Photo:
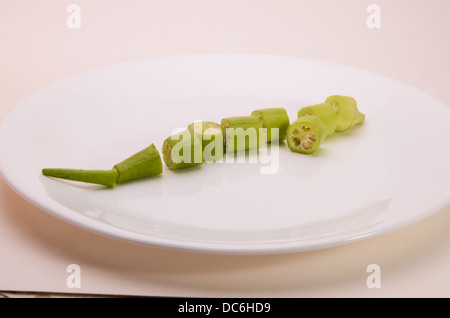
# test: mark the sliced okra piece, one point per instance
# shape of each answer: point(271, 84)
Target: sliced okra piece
point(182, 150)
point(211, 136)
point(326, 112)
point(273, 118)
point(146, 162)
point(306, 134)
point(243, 133)
point(347, 110)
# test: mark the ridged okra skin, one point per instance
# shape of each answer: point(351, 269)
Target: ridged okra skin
point(211, 135)
point(145, 163)
point(182, 150)
point(306, 134)
point(243, 133)
point(273, 118)
point(326, 113)
point(347, 110)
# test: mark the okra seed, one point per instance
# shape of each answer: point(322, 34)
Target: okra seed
point(307, 144)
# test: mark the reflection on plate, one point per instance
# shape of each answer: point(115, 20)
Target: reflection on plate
point(385, 174)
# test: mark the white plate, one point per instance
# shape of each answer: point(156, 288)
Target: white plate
point(391, 171)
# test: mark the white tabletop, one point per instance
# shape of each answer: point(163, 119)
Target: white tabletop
point(42, 42)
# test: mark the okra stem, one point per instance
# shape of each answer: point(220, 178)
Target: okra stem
point(102, 177)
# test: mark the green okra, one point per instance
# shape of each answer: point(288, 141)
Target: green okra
point(146, 162)
point(102, 177)
point(182, 150)
point(347, 110)
point(360, 117)
point(326, 112)
point(243, 133)
point(203, 141)
point(273, 118)
point(211, 135)
point(306, 134)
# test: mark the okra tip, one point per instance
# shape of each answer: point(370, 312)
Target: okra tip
point(102, 177)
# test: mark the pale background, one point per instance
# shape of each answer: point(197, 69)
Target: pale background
point(37, 49)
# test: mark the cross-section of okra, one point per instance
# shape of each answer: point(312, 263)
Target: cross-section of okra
point(306, 134)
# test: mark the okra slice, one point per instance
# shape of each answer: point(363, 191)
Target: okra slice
point(242, 133)
point(273, 118)
point(146, 162)
point(326, 112)
point(211, 135)
point(306, 134)
point(182, 150)
point(347, 110)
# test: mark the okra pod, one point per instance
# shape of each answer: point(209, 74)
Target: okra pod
point(205, 141)
point(242, 133)
point(145, 163)
point(182, 150)
point(306, 134)
point(273, 118)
